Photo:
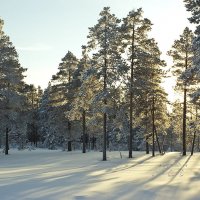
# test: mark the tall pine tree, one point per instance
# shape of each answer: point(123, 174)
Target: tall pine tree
point(182, 55)
point(134, 31)
point(107, 62)
point(12, 97)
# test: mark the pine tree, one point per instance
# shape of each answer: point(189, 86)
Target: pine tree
point(107, 63)
point(149, 96)
point(13, 101)
point(62, 94)
point(44, 119)
point(182, 54)
point(85, 91)
point(157, 96)
point(134, 32)
point(194, 7)
point(194, 72)
point(34, 96)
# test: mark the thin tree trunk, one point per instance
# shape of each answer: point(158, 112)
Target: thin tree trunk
point(69, 144)
point(147, 137)
point(105, 102)
point(6, 145)
point(131, 126)
point(131, 95)
point(153, 128)
point(157, 140)
point(194, 138)
point(193, 142)
point(146, 126)
point(84, 135)
point(147, 146)
point(184, 122)
point(185, 108)
point(105, 116)
point(104, 136)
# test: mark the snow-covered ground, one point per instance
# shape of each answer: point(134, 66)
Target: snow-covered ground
point(56, 175)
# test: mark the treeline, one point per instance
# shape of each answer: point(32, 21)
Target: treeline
point(18, 100)
point(110, 98)
point(113, 92)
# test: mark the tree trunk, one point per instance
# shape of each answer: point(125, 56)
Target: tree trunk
point(157, 140)
point(105, 101)
point(84, 135)
point(131, 95)
point(147, 137)
point(193, 142)
point(104, 136)
point(131, 126)
point(153, 129)
point(6, 145)
point(185, 108)
point(184, 122)
point(69, 144)
point(147, 146)
point(194, 138)
point(105, 117)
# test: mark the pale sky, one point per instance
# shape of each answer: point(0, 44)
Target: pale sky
point(44, 30)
